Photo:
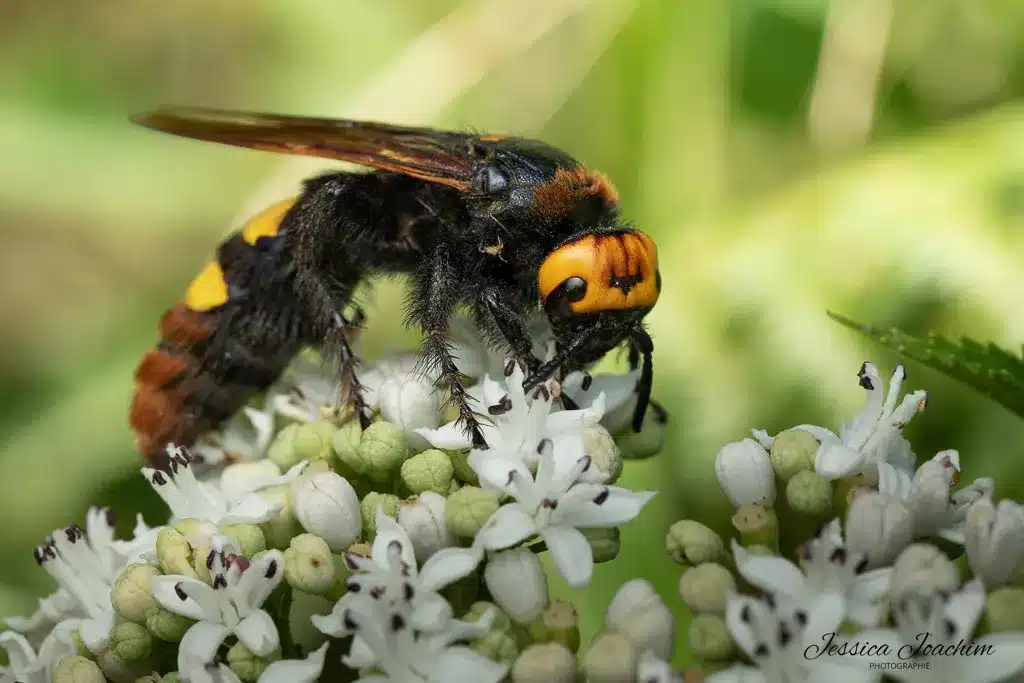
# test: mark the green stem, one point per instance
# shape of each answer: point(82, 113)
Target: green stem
point(282, 615)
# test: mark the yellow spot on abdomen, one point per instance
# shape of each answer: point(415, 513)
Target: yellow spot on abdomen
point(208, 290)
point(267, 222)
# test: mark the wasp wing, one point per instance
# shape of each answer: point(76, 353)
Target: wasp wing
point(436, 156)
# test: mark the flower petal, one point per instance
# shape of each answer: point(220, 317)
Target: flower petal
point(1005, 659)
point(200, 643)
point(252, 509)
point(618, 507)
point(388, 532)
point(448, 565)
point(296, 670)
point(964, 607)
point(258, 633)
point(769, 573)
point(742, 630)
point(450, 436)
point(571, 552)
point(494, 469)
point(738, 673)
point(462, 665)
point(431, 613)
point(200, 599)
point(836, 460)
point(508, 526)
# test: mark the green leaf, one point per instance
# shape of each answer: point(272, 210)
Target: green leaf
point(984, 367)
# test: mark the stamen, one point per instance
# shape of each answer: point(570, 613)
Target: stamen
point(950, 628)
point(801, 617)
point(587, 381)
point(219, 582)
point(510, 367)
point(353, 587)
point(502, 407)
point(111, 517)
point(745, 615)
point(542, 390)
point(180, 592)
point(158, 478)
point(602, 497)
point(838, 556)
point(271, 569)
point(862, 564)
point(377, 592)
point(397, 622)
point(549, 503)
point(408, 591)
point(348, 622)
point(784, 635)
point(761, 650)
point(544, 443)
point(209, 560)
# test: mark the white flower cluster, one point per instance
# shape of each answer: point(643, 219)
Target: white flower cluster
point(910, 576)
point(293, 528)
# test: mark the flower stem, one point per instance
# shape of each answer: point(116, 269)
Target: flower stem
point(281, 607)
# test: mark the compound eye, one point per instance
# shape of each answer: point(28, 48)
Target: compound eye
point(575, 289)
point(490, 180)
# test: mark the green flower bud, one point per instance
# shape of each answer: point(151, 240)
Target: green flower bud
point(1004, 610)
point(131, 595)
point(545, 663)
point(167, 625)
point(77, 670)
point(345, 442)
point(468, 509)
point(382, 450)
point(605, 543)
point(280, 531)
point(604, 453)
point(247, 666)
point(709, 638)
point(463, 472)
point(690, 543)
point(316, 467)
point(497, 645)
point(174, 553)
point(308, 565)
point(502, 622)
point(429, 471)
point(368, 510)
point(559, 623)
point(647, 442)
point(612, 658)
point(249, 536)
point(810, 494)
point(757, 524)
point(706, 587)
point(793, 451)
point(282, 451)
point(131, 642)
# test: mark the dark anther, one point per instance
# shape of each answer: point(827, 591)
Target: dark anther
point(820, 530)
point(397, 622)
point(209, 560)
point(602, 497)
point(745, 615)
point(37, 553)
point(950, 628)
point(348, 622)
point(351, 561)
point(806, 552)
point(549, 503)
point(502, 407)
point(544, 443)
point(586, 460)
point(110, 516)
point(377, 592)
point(408, 591)
point(353, 587)
point(865, 381)
point(838, 555)
point(587, 381)
point(511, 478)
point(179, 592)
point(542, 391)
point(862, 565)
point(784, 635)
point(395, 547)
point(158, 478)
point(770, 599)
point(70, 534)
point(761, 650)
point(801, 617)
point(271, 569)
point(510, 367)
point(219, 581)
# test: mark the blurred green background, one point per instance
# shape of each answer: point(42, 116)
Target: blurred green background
point(789, 156)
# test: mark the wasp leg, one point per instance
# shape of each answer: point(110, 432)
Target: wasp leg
point(512, 327)
point(563, 357)
point(641, 341)
point(435, 294)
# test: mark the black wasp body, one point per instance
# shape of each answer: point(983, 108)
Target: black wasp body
point(500, 226)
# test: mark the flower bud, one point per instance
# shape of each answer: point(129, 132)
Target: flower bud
point(690, 543)
point(709, 638)
point(345, 442)
point(605, 543)
point(463, 472)
point(646, 443)
point(706, 587)
point(368, 510)
point(809, 493)
point(500, 620)
point(297, 442)
point(250, 538)
point(382, 449)
point(1004, 610)
point(279, 531)
point(994, 540)
point(604, 453)
point(166, 625)
point(174, 553)
point(422, 517)
point(131, 642)
point(468, 509)
point(793, 451)
point(238, 479)
point(308, 565)
point(131, 595)
point(757, 525)
point(612, 658)
point(496, 645)
point(116, 668)
point(878, 527)
point(745, 473)
point(428, 471)
point(410, 402)
point(559, 623)
point(247, 666)
point(922, 570)
point(545, 663)
point(326, 505)
point(517, 583)
point(77, 669)
point(640, 613)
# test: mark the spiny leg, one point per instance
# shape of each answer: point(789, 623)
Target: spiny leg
point(511, 325)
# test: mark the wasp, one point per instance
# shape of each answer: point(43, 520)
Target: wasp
point(503, 227)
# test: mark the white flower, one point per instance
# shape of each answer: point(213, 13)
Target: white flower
point(388, 642)
point(187, 497)
point(142, 546)
point(475, 356)
point(518, 584)
point(994, 540)
point(240, 479)
point(745, 473)
point(562, 499)
point(391, 577)
point(620, 395)
point(422, 517)
point(281, 671)
point(25, 665)
point(926, 495)
point(829, 568)
point(51, 609)
point(949, 622)
point(231, 606)
point(86, 572)
point(879, 527)
point(305, 391)
point(639, 613)
point(873, 436)
point(403, 391)
point(778, 642)
point(326, 505)
point(243, 438)
point(922, 569)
